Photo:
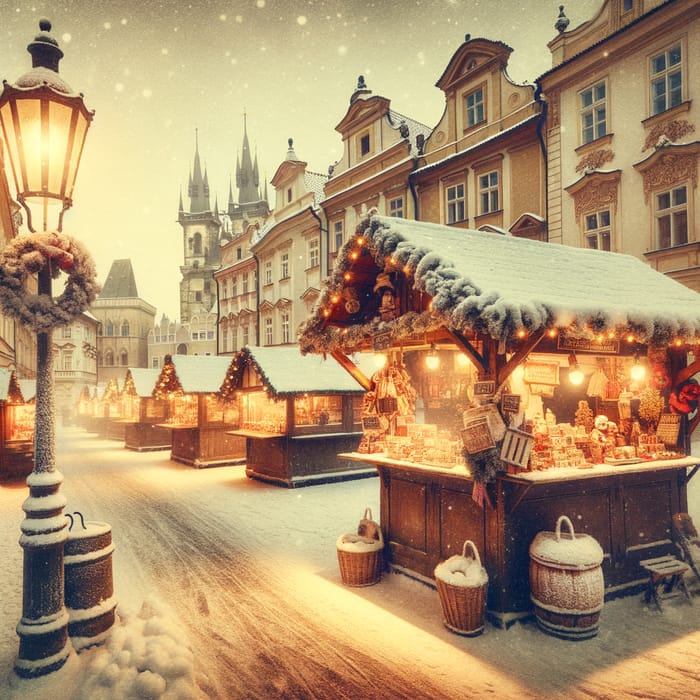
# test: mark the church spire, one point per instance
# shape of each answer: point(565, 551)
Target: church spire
point(198, 187)
point(247, 174)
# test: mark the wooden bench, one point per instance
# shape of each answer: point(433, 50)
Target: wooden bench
point(667, 572)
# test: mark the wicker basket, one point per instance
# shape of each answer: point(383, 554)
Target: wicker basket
point(464, 607)
point(361, 558)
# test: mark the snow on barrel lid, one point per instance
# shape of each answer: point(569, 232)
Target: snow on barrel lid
point(568, 550)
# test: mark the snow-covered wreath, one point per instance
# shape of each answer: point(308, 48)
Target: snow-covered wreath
point(26, 255)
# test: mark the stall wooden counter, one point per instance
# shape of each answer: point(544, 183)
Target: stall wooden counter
point(200, 421)
point(576, 358)
point(144, 414)
point(297, 414)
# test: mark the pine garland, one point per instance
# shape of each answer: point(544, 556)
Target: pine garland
point(27, 255)
point(484, 465)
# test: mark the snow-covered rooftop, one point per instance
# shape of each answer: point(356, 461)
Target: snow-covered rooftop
point(199, 374)
point(144, 379)
point(500, 285)
point(284, 371)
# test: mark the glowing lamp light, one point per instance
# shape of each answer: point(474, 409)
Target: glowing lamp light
point(432, 360)
point(44, 125)
point(638, 370)
point(575, 374)
point(380, 360)
point(462, 359)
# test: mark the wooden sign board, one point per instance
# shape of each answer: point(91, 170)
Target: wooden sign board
point(381, 341)
point(516, 447)
point(371, 423)
point(484, 388)
point(541, 373)
point(510, 403)
point(586, 345)
point(388, 404)
point(668, 429)
point(476, 436)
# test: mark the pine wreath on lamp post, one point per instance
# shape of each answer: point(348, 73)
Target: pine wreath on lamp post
point(44, 124)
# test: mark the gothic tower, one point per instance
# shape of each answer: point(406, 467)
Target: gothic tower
point(201, 229)
point(252, 204)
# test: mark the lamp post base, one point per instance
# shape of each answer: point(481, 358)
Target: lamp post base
point(43, 629)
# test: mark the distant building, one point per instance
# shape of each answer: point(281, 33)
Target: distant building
point(75, 364)
point(125, 321)
point(169, 337)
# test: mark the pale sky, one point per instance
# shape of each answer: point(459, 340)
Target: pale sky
point(154, 72)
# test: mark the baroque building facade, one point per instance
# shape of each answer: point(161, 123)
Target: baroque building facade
point(621, 133)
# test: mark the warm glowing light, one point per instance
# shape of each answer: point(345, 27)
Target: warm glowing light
point(552, 332)
point(360, 240)
point(353, 255)
point(347, 276)
point(576, 376)
point(522, 333)
point(432, 361)
point(462, 359)
point(678, 343)
point(638, 370)
point(380, 360)
point(630, 338)
point(335, 299)
point(326, 312)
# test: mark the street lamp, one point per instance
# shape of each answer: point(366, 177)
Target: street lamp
point(44, 124)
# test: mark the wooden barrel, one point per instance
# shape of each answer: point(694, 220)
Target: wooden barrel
point(89, 586)
point(566, 582)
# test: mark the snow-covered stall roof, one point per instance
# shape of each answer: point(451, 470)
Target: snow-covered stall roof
point(192, 374)
point(141, 380)
point(284, 371)
point(498, 286)
point(10, 391)
point(28, 388)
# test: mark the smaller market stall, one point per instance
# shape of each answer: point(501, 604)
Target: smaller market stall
point(200, 420)
point(106, 417)
point(16, 428)
point(296, 414)
point(143, 414)
point(579, 400)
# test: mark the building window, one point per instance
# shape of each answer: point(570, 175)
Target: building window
point(627, 5)
point(475, 107)
point(67, 361)
point(666, 80)
point(268, 331)
point(672, 217)
point(488, 193)
point(593, 113)
point(313, 252)
point(455, 203)
point(338, 236)
point(284, 266)
point(239, 253)
point(125, 329)
point(109, 328)
point(245, 331)
point(364, 145)
point(396, 207)
point(155, 362)
point(109, 359)
point(198, 296)
point(234, 287)
point(197, 247)
point(66, 331)
point(245, 283)
point(289, 194)
point(268, 272)
point(597, 231)
point(285, 326)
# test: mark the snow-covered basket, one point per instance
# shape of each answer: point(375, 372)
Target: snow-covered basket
point(462, 585)
point(566, 582)
point(360, 556)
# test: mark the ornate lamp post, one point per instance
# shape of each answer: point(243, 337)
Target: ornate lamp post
point(44, 124)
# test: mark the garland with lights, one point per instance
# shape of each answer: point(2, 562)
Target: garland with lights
point(27, 255)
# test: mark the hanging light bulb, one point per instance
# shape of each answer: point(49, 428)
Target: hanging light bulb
point(432, 361)
point(462, 359)
point(380, 359)
point(575, 374)
point(638, 370)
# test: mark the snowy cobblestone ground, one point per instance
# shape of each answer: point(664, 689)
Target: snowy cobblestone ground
point(229, 588)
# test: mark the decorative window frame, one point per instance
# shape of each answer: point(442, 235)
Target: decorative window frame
point(662, 47)
point(606, 102)
point(472, 90)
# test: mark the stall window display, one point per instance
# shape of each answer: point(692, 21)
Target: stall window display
point(21, 423)
point(183, 410)
point(318, 410)
point(261, 413)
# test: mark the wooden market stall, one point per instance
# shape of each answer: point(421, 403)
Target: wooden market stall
point(577, 399)
point(143, 414)
point(297, 413)
point(200, 420)
point(16, 428)
point(107, 412)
